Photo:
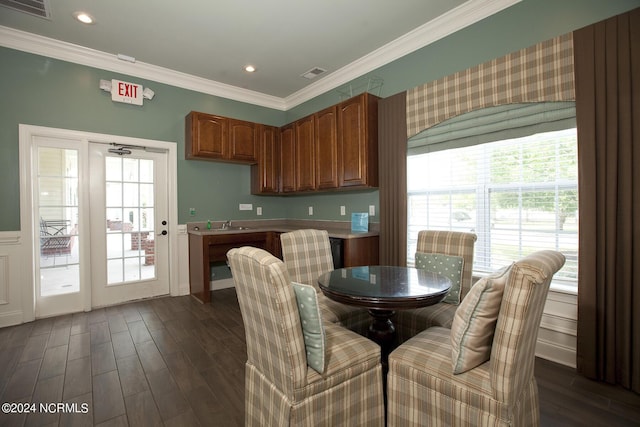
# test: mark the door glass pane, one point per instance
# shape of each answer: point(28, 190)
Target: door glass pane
point(130, 169)
point(146, 171)
point(131, 195)
point(114, 194)
point(130, 220)
point(57, 196)
point(113, 170)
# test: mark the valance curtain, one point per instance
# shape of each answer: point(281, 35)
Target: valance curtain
point(494, 124)
point(607, 62)
point(540, 73)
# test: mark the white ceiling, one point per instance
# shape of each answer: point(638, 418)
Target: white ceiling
point(204, 45)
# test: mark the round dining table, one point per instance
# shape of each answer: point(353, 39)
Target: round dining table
point(383, 290)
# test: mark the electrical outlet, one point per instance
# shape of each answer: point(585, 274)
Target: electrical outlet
point(246, 207)
point(310, 210)
point(259, 210)
point(372, 210)
point(343, 210)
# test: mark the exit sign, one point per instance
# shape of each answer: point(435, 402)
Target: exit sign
point(129, 93)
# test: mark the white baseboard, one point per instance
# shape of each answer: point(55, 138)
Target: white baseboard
point(556, 353)
point(184, 289)
point(11, 318)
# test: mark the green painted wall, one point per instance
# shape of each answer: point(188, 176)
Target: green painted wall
point(522, 25)
point(46, 92)
point(41, 91)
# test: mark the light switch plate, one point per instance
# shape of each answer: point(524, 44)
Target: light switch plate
point(259, 210)
point(246, 207)
point(343, 210)
point(372, 210)
point(310, 210)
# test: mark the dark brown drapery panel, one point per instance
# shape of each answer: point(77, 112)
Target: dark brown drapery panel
point(607, 69)
point(392, 159)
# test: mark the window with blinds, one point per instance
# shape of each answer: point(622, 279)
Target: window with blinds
point(518, 195)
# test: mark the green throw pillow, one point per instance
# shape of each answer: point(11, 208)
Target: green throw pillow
point(449, 266)
point(312, 330)
point(474, 322)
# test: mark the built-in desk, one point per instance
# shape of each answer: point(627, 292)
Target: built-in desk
point(211, 246)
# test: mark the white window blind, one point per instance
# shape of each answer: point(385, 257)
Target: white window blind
point(518, 195)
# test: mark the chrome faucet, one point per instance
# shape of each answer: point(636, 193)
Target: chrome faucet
point(226, 225)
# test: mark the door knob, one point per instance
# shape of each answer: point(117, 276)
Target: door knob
point(163, 233)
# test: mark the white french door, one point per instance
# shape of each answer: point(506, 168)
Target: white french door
point(100, 221)
point(129, 227)
point(59, 225)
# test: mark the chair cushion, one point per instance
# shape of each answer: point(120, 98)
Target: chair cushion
point(311, 321)
point(426, 359)
point(347, 355)
point(475, 320)
point(411, 322)
point(449, 266)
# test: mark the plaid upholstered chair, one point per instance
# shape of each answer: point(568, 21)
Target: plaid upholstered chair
point(479, 372)
point(452, 243)
point(344, 386)
point(307, 255)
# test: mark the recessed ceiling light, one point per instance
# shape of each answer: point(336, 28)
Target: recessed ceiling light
point(84, 17)
point(250, 69)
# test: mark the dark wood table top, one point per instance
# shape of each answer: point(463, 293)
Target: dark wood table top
point(384, 287)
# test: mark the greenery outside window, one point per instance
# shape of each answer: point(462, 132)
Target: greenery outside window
point(518, 195)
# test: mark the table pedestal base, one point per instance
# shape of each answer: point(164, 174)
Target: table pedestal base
point(382, 332)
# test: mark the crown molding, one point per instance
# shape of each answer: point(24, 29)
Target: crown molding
point(45, 46)
point(448, 23)
point(462, 16)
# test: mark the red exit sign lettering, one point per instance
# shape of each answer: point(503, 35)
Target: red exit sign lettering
point(129, 93)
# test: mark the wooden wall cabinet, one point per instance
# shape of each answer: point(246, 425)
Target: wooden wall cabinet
point(211, 137)
point(358, 141)
point(305, 165)
point(243, 141)
point(297, 156)
point(333, 149)
point(265, 175)
point(326, 144)
point(288, 158)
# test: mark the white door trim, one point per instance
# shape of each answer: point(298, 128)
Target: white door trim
point(26, 134)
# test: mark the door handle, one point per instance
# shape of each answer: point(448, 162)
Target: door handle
point(162, 233)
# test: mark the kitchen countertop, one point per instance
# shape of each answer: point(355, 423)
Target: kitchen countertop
point(337, 229)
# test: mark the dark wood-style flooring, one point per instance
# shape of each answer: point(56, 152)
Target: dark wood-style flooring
point(176, 362)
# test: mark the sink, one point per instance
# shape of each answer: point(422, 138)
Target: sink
point(232, 228)
point(221, 228)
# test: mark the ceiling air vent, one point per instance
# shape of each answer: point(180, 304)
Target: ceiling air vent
point(313, 73)
point(39, 8)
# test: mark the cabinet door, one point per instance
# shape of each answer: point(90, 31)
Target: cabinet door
point(274, 245)
point(326, 133)
point(264, 174)
point(361, 251)
point(206, 136)
point(242, 141)
point(357, 141)
point(287, 159)
point(305, 155)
